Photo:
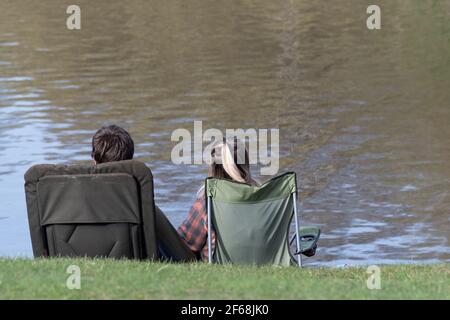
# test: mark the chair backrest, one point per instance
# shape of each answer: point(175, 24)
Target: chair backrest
point(252, 222)
point(104, 210)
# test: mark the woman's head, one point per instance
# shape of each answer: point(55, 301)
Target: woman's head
point(230, 161)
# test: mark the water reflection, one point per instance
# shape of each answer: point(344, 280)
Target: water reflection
point(363, 115)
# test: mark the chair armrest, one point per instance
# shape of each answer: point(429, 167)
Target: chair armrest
point(309, 236)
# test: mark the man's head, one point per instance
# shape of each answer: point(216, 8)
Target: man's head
point(112, 143)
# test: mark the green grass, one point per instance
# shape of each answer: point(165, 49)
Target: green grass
point(109, 279)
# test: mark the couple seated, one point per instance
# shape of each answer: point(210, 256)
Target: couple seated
point(113, 144)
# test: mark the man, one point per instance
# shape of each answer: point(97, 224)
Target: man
point(113, 143)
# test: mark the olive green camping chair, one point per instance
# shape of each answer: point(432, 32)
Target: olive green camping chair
point(104, 210)
point(252, 222)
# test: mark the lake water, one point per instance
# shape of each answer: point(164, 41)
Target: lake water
point(364, 116)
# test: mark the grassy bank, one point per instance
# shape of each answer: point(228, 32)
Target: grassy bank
point(107, 279)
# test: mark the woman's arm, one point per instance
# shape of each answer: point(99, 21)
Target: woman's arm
point(193, 229)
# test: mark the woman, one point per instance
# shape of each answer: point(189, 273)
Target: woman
point(234, 166)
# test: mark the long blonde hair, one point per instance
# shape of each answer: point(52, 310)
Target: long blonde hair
point(230, 163)
point(234, 166)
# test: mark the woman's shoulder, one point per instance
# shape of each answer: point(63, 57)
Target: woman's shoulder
point(201, 194)
point(200, 199)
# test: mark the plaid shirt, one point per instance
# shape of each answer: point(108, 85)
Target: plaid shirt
point(194, 229)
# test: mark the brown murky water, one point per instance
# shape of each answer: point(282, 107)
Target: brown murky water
point(364, 116)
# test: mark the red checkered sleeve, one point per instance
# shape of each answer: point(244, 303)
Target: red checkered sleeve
point(194, 228)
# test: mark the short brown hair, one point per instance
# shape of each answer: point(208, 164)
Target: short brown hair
point(112, 143)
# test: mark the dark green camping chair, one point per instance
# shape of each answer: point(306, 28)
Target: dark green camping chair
point(104, 210)
point(252, 222)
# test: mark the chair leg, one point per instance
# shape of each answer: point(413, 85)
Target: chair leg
point(297, 231)
point(209, 230)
